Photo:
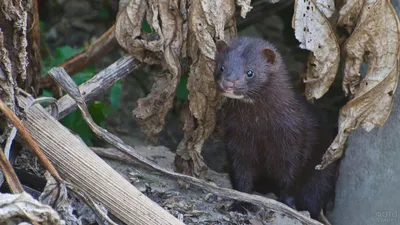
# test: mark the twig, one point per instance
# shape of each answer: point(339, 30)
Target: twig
point(18, 124)
point(93, 53)
point(9, 173)
point(97, 84)
point(9, 142)
point(69, 86)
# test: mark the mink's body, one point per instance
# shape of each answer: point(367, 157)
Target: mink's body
point(273, 136)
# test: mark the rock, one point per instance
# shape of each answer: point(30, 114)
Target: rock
point(367, 190)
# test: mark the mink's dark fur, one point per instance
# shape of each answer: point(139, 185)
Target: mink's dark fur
point(273, 136)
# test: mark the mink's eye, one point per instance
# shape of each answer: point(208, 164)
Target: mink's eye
point(250, 73)
point(222, 68)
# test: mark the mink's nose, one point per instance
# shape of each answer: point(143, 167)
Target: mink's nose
point(227, 84)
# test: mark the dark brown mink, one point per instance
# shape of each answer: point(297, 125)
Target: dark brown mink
point(273, 136)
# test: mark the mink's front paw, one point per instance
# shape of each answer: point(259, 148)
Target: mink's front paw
point(242, 207)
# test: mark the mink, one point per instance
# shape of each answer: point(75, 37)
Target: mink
point(273, 136)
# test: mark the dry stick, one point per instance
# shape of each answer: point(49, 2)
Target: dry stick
point(65, 81)
point(24, 133)
point(9, 173)
point(94, 52)
point(99, 83)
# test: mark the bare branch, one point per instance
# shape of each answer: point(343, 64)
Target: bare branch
point(97, 84)
point(94, 52)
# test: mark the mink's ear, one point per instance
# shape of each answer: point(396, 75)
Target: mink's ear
point(221, 45)
point(269, 55)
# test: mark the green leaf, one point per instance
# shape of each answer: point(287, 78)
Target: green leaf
point(65, 52)
point(47, 93)
point(99, 112)
point(83, 76)
point(146, 27)
point(42, 26)
point(103, 13)
point(70, 120)
point(84, 131)
point(182, 92)
point(75, 122)
point(62, 53)
point(115, 94)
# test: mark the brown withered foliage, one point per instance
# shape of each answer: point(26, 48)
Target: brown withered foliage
point(315, 33)
point(374, 40)
point(181, 29)
point(189, 29)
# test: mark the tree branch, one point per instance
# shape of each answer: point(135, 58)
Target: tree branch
point(94, 52)
point(99, 83)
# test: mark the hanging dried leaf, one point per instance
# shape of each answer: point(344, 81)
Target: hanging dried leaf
point(245, 7)
point(162, 47)
point(181, 28)
point(376, 38)
point(208, 20)
point(315, 33)
point(349, 13)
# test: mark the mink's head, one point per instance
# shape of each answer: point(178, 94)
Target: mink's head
point(245, 66)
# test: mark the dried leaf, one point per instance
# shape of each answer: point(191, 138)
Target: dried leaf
point(245, 7)
point(17, 206)
point(376, 38)
point(57, 195)
point(209, 18)
point(315, 33)
point(349, 13)
point(174, 36)
point(163, 47)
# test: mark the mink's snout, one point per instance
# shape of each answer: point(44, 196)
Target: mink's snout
point(229, 88)
point(226, 85)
